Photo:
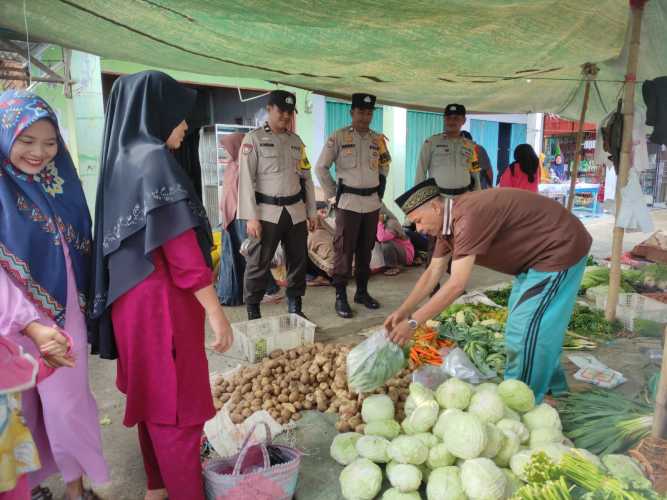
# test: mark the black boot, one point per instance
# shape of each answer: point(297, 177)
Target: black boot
point(253, 311)
point(294, 306)
point(363, 297)
point(342, 305)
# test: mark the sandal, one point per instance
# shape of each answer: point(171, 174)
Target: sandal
point(392, 271)
point(41, 493)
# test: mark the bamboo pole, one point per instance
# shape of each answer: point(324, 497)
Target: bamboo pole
point(590, 71)
point(637, 9)
point(660, 418)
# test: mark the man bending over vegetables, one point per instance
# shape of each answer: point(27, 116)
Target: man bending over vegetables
point(514, 232)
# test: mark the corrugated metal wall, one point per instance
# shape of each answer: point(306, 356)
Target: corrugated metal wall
point(485, 133)
point(338, 116)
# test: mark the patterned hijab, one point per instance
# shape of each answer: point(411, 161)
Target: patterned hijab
point(144, 196)
point(36, 211)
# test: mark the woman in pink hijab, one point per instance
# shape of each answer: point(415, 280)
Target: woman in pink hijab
point(232, 264)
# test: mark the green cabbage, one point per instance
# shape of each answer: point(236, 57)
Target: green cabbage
point(483, 480)
point(445, 415)
point(517, 395)
point(454, 393)
point(486, 386)
point(510, 445)
point(545, 435)
point(374, 448)
point(404, 477)
point(464, 435)
point(511, 414)
point(384, 428)
point(408, 450)
point(494, 441)
point(488, 406)
point(377, 407)
point(394, 494)
point(626, 469)
point(417, 394)
point(428, 439)
point(361, 480)
point(542, 416)
point(444, 483)
point(516, 427)
point(344, 447)
point(513, 483)
point(439, 456)
point(422, 418)
point(519, 461)
point(555, 451)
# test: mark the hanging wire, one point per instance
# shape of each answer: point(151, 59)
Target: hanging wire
point(242, 99)
point(570, 98)
point(27, 41)
point(597, 91)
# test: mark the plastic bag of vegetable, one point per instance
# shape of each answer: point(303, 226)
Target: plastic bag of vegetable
point(373, 362)
point(444, 483)
point(404, 477)
point(483, 480)
point(344, 447)
point(361, 480)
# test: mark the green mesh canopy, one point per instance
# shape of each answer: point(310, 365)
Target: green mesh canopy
point(420, 54)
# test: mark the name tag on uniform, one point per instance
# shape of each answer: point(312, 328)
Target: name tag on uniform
point(266, 145)
point(445, 147)
point(347, 149)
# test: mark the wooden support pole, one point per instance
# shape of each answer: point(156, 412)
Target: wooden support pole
point(23, 78)
point(590, 71)
point(637, 10)
point(660, 417)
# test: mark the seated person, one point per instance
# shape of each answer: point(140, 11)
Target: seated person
point(396, 247)
point(321, 248)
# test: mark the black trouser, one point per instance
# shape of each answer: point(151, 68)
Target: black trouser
point(355, 238)
point(260, 253)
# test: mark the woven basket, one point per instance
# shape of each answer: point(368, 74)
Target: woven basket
point(249, 474)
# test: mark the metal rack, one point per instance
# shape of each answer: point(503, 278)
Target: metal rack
point(211, 156)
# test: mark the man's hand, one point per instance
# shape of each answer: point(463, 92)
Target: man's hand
point(401, 333)
point(312, 223)
point(254, 229)
point(224, 338)
point(394, 319)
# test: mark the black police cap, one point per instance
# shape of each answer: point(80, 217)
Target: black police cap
point(363, 101)
point(455, 109)
point(286, 101)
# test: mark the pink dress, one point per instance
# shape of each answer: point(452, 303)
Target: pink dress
point(519, 180)
point(61, 411)
point(383, 235)
point(159, 332)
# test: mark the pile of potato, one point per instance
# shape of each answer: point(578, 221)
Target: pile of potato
point(310, 377)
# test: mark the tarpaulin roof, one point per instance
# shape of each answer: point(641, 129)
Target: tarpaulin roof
point(414, 53)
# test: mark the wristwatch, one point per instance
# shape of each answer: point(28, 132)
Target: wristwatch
point(412, 323)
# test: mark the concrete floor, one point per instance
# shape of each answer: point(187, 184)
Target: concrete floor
point(121, 445)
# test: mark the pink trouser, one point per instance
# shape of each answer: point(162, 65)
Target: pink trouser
point(171, 459)
point(20, 492)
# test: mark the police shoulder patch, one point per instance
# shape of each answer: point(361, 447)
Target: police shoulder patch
point(247, 148)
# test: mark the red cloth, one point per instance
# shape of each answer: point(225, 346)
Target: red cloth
point(20, 492)
point(171, 459)
point(519, 179)
point(159, 330)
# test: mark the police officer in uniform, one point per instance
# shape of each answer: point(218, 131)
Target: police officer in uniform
point(362, 163)
point(449, 157)
point(277, 199)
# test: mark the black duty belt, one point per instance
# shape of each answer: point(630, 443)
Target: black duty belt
point(359, 191)
point(454, 192)
point(281, 201)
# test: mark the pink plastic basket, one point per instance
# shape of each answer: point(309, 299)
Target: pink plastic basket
point(249, 474)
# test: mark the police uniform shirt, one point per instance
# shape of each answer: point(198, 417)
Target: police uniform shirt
point(273, 164)
point(451, 161)
point(360, 160)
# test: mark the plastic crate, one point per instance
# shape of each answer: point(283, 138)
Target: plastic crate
point(260, 337)
point(642, 315)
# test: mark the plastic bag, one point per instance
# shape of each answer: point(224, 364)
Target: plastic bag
point(456, 364)
point(373, 362)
